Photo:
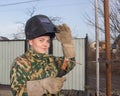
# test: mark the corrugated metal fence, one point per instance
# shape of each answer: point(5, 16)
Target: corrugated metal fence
point(76, 77)
point(9, 50)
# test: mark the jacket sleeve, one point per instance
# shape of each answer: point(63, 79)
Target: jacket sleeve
point(18, 80)
point(59, 61)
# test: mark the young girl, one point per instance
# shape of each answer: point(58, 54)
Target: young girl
point(36, 73)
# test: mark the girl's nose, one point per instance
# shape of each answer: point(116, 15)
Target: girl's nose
point(46, 44)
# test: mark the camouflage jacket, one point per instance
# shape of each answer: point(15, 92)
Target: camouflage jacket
point(33, 66)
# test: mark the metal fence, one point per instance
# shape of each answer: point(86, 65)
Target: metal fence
point(9, 50)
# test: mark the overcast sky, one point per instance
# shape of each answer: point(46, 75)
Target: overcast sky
point(72, 12)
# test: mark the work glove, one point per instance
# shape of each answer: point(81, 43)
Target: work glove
point(50, 85)
point(53, 85)
point(34, 88)
point(63, 35)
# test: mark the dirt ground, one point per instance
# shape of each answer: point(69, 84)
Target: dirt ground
point(115, 78)
point(5, 90)
point(115, 84)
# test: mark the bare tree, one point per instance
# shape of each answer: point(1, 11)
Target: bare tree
point(21, 34)
point(31, 12)
point(114, 18)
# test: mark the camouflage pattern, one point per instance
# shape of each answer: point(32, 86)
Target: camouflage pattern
point(33, 66)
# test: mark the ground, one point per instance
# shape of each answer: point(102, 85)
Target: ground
point(5, 90)
point(115, 77)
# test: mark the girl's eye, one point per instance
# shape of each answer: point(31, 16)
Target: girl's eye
point(48, 41)
point(41, 40)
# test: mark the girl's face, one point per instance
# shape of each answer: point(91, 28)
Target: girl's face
point(40, 44)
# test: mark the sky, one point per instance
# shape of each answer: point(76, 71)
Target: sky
point(73, 12)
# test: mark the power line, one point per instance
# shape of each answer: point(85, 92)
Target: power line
point(16, 3)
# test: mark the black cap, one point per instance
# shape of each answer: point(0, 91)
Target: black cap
point(39, 25)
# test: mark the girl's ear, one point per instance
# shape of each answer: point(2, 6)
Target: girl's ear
point(30, 42)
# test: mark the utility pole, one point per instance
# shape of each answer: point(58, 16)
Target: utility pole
point(97, 47)
point(107, 40)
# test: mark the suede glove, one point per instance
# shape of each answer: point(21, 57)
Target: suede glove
point(50, 85)
point(63, 35)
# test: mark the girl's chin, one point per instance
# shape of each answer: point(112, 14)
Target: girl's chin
point(43, 52)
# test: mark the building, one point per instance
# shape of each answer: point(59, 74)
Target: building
point(101, 46)
point(3, 38)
